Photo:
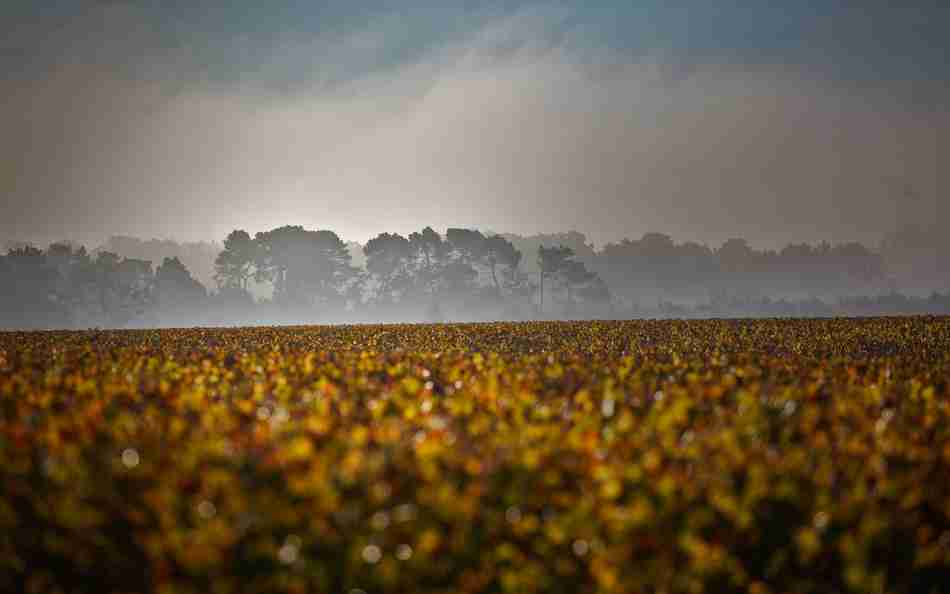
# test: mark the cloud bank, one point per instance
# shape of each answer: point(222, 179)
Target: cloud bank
point(512, 126)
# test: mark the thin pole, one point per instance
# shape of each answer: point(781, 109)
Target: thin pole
point(541, 300)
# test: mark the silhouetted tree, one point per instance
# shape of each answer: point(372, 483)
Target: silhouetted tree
point(528, 246)
point(75, 280)
point(28, 292)
point(234, 265)
point(175, 287)
point(122, 286)
point(574, 274)
point(655, 266)
point(197, 256)
point(551, 262)
point(498, 251)
point(559, 264)
point(466, 250)
point(466, 245)
point(305, 267)
point(387, 260)
point(735, 256)
point(430, 254)
point(428, 246)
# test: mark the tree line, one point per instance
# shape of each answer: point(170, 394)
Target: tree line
point(295, 275)
point(67, 287)
point(463, 272)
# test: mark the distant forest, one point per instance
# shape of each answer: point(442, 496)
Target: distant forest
point(292, 275)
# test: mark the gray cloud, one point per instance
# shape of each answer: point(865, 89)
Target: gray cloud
point(505, 129)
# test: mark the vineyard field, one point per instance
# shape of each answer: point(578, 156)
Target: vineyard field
point(760, 456)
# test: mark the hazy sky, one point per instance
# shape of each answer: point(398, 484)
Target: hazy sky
point(707, 119)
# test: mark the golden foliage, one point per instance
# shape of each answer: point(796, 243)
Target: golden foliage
point(675, 456)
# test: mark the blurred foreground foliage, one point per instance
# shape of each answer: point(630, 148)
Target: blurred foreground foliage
point(648, 456)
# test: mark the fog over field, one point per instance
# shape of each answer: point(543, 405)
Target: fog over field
point(427, 296)
point(661, 133)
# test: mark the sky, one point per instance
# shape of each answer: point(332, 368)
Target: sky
point(777, 122)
